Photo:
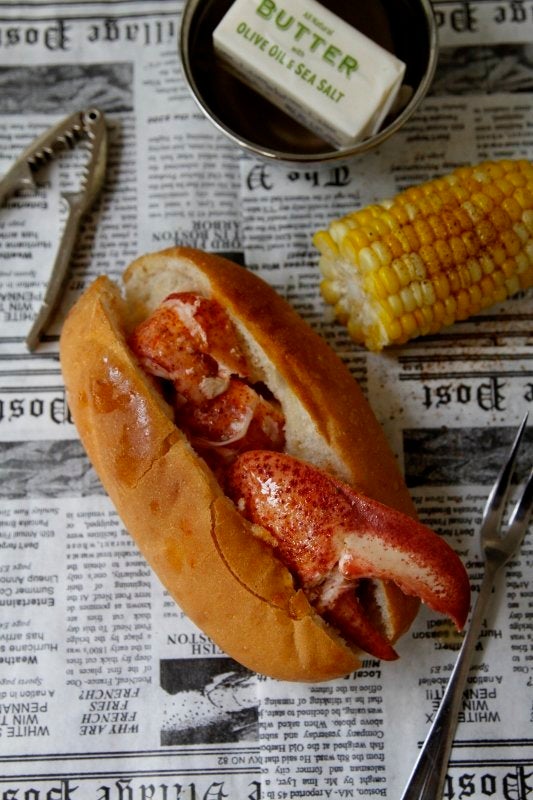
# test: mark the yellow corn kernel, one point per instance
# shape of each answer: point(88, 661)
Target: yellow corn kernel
point(527, 219)
point(499, 254)
point(493, 169)
point(390, 323)
point(390, 220)
point(521, 231)
point(458, 249)
point(428, 293)
point(413, 194)
point(354, 329)
point(487, 286)
point(476, 297)
point(450, 306)
point(441, 285)
point(324, 242)
point(465, 275)
point(359, 237)
point(524, 198)
point(416, 265)
point(522, 263)
point(408, 298)
point(423, 231)
point(509, 267)
point(383, 252)
point(409, 326)
point(430, 257)
point(418, 296)
point(487, 263)
point(375, 229)
point(513, 208)
point(512, 284)
point(403, 240)
point(394, 244)
point(445, 254)
point(374, 286)
point(471, 242)
point(474, 268)
point(464, 173)
point(464, 219)
point(412, 239)
point(338, 230)
point(439, 312)
point(348, 250)
point(483, 202)
point(500, 294)
point(460, 193)
point(386, 317)
point(455, 279)
point(364, 216)
point(343, 309)
point(424, 319)
point(426, 207)
point(505, 186)
point(486, 232)
point(517, 179)
point(395, 305)
point(330, 291)
point(463, 304)
point(399, 213)
point(444, 189)
point(500, 219)
point(389, 280)
point(402, 271)
point(498, 277)
point(438, 226)
point(511, 242)
point(495, 194)
point(367, 260)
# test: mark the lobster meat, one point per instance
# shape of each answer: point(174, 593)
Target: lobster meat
point(337, 543)
point(190, 341)
point(334, 538)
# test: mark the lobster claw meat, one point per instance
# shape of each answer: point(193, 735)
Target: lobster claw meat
point(335, 539)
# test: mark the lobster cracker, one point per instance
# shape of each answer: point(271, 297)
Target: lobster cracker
point(89, 125)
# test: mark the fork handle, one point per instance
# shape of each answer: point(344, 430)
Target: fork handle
point(429, 774)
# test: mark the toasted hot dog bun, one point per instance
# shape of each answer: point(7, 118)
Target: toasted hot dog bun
point(224, 576)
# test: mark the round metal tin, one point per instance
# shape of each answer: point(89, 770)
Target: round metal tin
point(259, 127)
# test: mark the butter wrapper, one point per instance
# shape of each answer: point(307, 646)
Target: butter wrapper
point(312, 64)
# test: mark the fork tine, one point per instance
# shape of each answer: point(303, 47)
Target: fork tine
point(520, 516)
point(492, 515)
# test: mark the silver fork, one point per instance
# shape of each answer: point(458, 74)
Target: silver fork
point(429, 774)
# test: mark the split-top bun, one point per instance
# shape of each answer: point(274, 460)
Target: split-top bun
point(219, 568)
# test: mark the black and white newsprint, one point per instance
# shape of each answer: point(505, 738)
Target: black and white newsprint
point(107, 692)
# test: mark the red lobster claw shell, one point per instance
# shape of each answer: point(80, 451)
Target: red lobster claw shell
point(324, 528)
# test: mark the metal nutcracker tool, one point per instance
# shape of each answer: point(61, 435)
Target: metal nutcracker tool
point(88, 125)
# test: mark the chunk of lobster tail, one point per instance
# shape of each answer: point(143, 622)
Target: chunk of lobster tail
point(190, 341)
point(336, 541)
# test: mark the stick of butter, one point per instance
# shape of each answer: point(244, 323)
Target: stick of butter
point(312, 64)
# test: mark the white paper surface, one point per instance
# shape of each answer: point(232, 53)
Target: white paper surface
point(107, 692)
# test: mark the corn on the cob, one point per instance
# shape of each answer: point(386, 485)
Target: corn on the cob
point(436, 253)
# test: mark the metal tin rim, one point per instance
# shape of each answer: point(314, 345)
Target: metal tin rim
point(324, 156)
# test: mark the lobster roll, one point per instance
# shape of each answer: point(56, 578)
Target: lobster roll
point(246, 463)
